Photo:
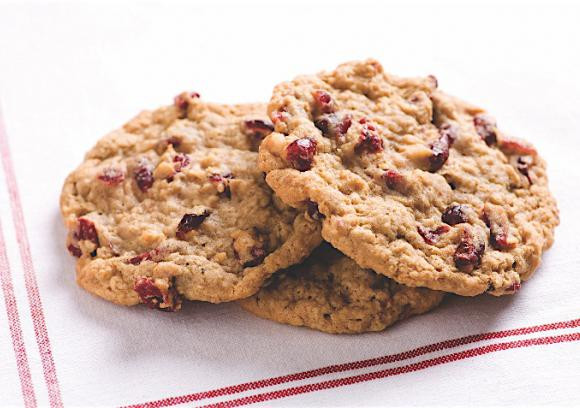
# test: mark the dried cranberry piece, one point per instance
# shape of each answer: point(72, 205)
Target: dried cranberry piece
point(432, 236)
point(440, 147)
point(144, 175)
point(323, 102)
point(190, 222)
point(468, 254)
point(367, 124)
point(333, 126)
point(215, 178)
point(393, 179)
point(223, 183)
point(86, 231)
point(523, 165)
point(258, 255)
point(111, 176)
point(181, 160)
point(136, 260)
point(300, 153)
point(455, 214)
point(369, 141)
point(259, 127)
point(154, 254)
point(513, 146)
point(257, 130)
point(514, 287)
point(497, 221)
point(182, 101)
point(75, 251)
point(156, 298)
point(486, 128)
point(312, 211)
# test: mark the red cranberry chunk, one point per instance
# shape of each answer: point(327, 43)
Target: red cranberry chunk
point(190, 222)
point(136, 260)
point(258, 255)
point(523, 165)
point(75, 251)
point(155, 254)
point(432, 236)
point(87, 231)
point(155, 297)
point(486, 128)
point(181, 160)
point(111, 176)
point(222, 183)
point(393, 179)
point(497, 221)
point(312, 211)
point(182, 102)
point(149, 293)
point(513, 146)
point(300, 153)
point(440, 147)
point(144, 175)
point(455, 214)
point(333, 126)
point(323, 102)
point(259, 126)
point(369, 141)
point(514, 287)
point(468, 254)
point(367, 124)
point(218, 178)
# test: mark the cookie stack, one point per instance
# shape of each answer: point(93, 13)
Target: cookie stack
point(354, 199)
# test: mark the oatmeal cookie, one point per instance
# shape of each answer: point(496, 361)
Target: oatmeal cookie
point(173, 205)
point(331, 293)
point(409, 181)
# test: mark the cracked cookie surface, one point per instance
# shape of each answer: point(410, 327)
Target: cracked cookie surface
point(409, 181)
point(173, 206)
point(331, 293)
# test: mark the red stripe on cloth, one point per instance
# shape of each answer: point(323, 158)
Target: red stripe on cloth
point(30, 282)
point(14, 326)
point(254, 385)
point(391, 372)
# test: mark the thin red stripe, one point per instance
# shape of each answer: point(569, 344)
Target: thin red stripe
point(34, 301)
point(15, 329)
point(390, 372)
point(254, 385)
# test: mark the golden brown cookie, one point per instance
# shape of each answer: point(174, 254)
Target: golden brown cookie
point(331, 293)
point(173, 205)
point(410, 182)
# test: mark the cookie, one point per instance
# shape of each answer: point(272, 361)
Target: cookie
point(173, 206)
point(410, 182)
point(331, 293)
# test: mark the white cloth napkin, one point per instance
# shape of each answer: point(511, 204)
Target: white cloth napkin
point(69, 73)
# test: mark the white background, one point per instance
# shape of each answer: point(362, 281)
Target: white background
point(71, 72)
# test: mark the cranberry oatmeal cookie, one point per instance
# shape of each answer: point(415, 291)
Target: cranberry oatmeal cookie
point(173, 205)
point(331, 293)
point(410, 182)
